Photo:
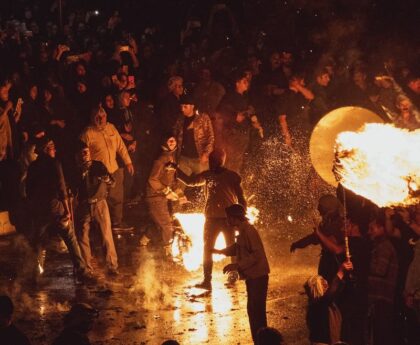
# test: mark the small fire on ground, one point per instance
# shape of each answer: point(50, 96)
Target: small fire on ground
point(188, 246)
point(381, 163)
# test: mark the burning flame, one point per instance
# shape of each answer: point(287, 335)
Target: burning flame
point(193, 226)
point(380, 163)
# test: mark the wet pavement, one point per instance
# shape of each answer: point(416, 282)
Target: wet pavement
point(153, 300)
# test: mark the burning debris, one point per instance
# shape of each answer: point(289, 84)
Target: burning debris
point(188, 242)
point(388, 175)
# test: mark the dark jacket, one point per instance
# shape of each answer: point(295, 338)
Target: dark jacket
point(45, 181)
point(222, 189)
point(249, 252)
point(93, 182)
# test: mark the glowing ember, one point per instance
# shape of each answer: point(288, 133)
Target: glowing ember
point(192, 247)
point(290, 219)
point(380, 163)
point(40, 269)
point(252, 214)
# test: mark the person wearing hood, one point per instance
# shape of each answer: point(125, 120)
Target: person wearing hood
point(162, 188)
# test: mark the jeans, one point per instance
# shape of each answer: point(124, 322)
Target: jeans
point(98, 212)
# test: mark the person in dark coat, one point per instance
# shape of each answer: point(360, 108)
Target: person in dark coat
point(49, 204)
point(222, 189)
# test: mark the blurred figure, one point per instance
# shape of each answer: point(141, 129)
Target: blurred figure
point(406, 117)
point(291, 108)
point(162, 189)
point(322, 102)
point(77, 324)
point(383, 273)
point(105, 143)
point(9, 333)
point(222, 189)
point(50, 207)
point(252, 265)
point(208, 92)
point(92, 190)
point(331, 212)
point(169, 109)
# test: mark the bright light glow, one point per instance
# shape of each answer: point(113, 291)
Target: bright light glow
point(380, 163)
point(193, 226)
point(40, 268)
point(289, 218)
point(252, 213)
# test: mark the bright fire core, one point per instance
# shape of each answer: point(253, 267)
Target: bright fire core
point(193, 226)
point(380, 163)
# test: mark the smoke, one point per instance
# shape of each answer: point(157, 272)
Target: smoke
point(150, 290)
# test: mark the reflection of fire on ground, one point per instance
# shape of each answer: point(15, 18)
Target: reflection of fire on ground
point(189, 249)
point(380, 163)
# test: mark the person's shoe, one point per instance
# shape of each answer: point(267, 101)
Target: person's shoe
point(122, 227)
point(205, 284)
point(113, 272)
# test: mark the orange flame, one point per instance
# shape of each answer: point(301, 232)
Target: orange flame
point(380, 163)
point(193, 226)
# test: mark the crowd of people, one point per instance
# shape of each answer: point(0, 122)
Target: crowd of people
point(97, 113)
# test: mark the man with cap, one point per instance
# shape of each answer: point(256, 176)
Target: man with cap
point(91, 189)
point(77, 324)
point(222, 188)
point(49, 204)
point(195, 137)
point(251, 263)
